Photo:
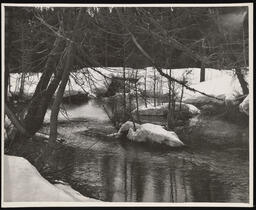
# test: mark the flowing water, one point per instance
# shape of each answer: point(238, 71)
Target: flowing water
point(118, 170)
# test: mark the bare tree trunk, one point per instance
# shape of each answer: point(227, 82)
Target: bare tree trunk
point(8, 45)
point(44, 92)
point(157, 91)
point(15, 120)
point(244, 49)
point(137, 100)
point(124, 92)
point(182, 92)
point(22, 84)
point(170, 115)
point(6, 83)
point(202, 73)
point(124, 88)
point(56, 104)
point(154, 88)
point(161, 90)
point(145, 87)
point(22, 79)
point(17, 131)
point(106, 50)
point(37, 107)
point(242, 81)
point(130, 96)
point(68, 59)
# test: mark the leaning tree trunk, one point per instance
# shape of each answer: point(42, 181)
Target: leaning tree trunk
point(44, 91)
point(56, 104)
point(8, 46)
point(242, 81)
point(69, 58)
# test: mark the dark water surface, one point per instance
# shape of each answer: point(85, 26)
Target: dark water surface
point(118, 170)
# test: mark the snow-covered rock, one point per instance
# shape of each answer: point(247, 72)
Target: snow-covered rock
point(5, 134)
point(231, 99)
point(150, 110)
point(8, 128)
point(154, 133)
point(126, 126)
point(123, 130)
point(244, 106)
point(7, 121)
point(148, 133)
point(225, 87)
point(23, 183)
point(188, 108)
point(162, 110)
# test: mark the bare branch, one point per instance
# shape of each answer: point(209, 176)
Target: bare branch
point(156, 66)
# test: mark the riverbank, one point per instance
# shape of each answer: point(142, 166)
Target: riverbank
point(212, 168)
point(23, 183)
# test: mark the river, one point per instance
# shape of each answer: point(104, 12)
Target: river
point(108, 169)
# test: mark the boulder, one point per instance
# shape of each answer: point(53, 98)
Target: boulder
point(154, 133)
point(162, 110)
point(127, 126)
point(244, 106)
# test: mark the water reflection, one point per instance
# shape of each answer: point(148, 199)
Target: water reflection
point(116, 171)
point(136, 175)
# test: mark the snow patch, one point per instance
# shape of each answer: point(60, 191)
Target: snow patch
point(23, 183)
point(162, 110)
point(244, 106)
point(123, 130)
point(149, 133)
point(225, 87)
point(154, 133)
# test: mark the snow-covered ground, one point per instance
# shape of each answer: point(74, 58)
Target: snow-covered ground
point(226, 87)
point(23, 183)
point(90, 111)
point(149, 133)
point(79, 80)
point(220, 84)
point(162, 110)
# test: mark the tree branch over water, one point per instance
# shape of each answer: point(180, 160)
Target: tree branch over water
point(140, 48)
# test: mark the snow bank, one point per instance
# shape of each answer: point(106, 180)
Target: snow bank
point(126, 126)
point(123, 130)
point(78, 82)
point(222, 87)
point(244, 106)
point(162, 110)
point(154, 133)
point(23, 183)
point(149, 133)
point(90, 111)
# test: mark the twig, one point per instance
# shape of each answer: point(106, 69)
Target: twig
point(158, 68)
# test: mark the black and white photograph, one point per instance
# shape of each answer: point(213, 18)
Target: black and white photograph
point(127, 105)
